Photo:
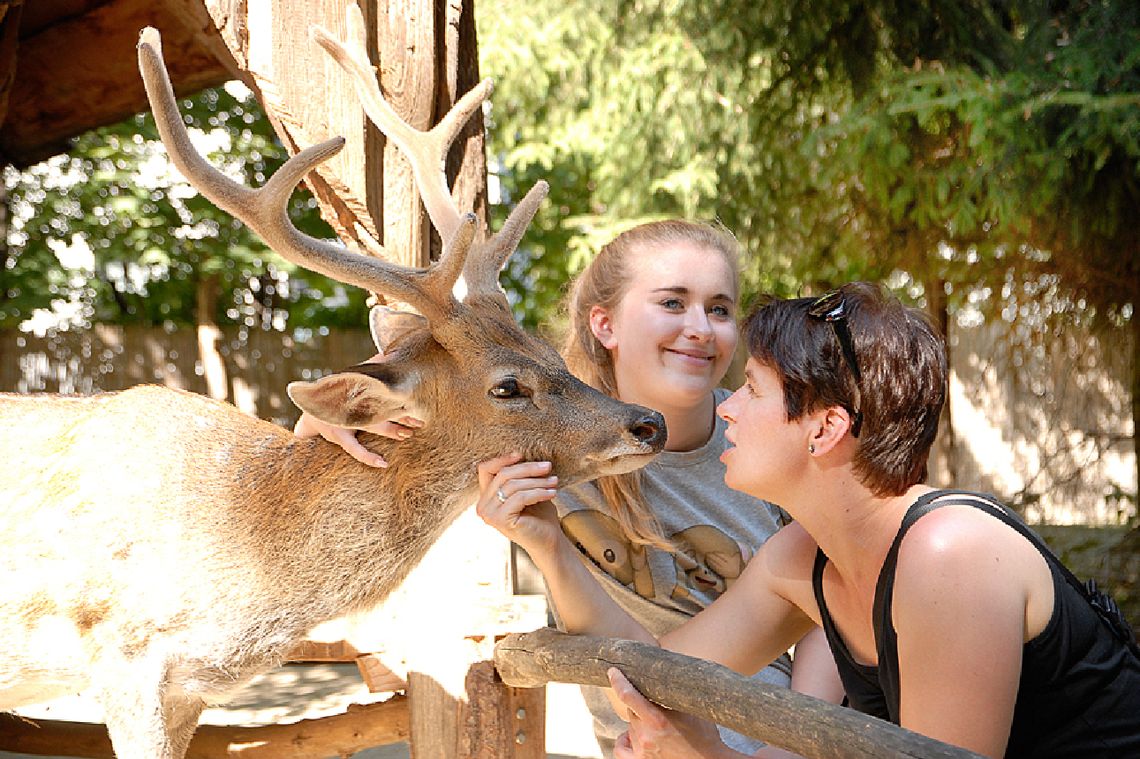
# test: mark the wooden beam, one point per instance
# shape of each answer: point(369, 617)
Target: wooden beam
point(377, 676)
point(362, 726)
point(466, 163)
point(82, 72)
point(779, 716)
point(10, 16)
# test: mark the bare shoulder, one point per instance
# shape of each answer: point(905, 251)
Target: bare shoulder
point(960, 552)
point(960, 534)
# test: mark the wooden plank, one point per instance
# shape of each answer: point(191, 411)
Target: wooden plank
point(324, 651)
point(362, 726)
point(466, 163)
point(377, 676)
point(10, 17)
point(308, 98)
point(490, 721)
point(58, 93)
point(368, 186)
point(780, 716)
point(407, 55)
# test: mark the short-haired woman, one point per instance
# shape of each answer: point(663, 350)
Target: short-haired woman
point(942, 612)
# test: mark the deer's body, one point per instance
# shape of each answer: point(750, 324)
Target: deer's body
point(211, 557)
point(162, 547)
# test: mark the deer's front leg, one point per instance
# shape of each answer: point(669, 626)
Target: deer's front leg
point(144, 717)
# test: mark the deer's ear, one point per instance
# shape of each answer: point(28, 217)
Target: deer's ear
point(390, 326)
point(358, 397)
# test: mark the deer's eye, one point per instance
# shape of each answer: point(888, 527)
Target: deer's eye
point(508, 388)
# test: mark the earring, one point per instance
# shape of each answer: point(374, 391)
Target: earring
point(811, 447)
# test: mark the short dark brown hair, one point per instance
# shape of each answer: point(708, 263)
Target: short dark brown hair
point(902, 362)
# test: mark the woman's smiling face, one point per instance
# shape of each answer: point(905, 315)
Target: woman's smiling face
point(673, 334)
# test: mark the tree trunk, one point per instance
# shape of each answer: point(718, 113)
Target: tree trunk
point(944, 458)
point(1136, 401)
point(213, 365)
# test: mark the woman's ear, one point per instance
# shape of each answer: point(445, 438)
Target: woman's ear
point(601, 324)
point(828, 428)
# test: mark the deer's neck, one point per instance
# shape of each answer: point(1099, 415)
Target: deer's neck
point(372, 525)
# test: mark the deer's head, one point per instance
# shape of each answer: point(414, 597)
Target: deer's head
point(462, 364)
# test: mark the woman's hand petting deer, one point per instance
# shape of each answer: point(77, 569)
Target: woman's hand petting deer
point(397, 429)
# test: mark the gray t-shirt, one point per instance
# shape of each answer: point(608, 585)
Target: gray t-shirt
point(716, 528)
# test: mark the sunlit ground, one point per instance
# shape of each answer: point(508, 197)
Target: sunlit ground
point(309, 691)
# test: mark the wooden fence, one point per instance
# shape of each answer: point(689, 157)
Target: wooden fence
point(1044, 423)
point(258, 364)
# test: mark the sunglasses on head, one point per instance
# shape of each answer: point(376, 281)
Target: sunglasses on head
point(832, 308)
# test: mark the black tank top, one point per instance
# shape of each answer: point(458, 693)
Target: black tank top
point(1079, 694)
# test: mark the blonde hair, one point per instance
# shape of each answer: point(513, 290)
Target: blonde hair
point(604, 282)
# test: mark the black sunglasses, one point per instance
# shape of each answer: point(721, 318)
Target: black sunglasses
point(832, 308)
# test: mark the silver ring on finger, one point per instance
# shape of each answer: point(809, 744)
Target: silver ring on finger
point(499, 493)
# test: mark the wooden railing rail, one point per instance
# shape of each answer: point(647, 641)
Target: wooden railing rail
point(779, 716)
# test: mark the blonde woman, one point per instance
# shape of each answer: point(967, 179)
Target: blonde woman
point(652, 321)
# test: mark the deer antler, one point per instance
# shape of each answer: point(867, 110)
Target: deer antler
point(427, 152)
point(264, 209)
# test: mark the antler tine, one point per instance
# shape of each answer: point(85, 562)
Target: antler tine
point(481, 271)
point(264, 209)
point(425, 151)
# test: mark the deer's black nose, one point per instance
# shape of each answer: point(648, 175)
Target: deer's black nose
point(650, 429)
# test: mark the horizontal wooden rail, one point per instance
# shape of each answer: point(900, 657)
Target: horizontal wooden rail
point(779, 716)
point(362, 726)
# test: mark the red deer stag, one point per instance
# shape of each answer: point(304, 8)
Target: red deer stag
point(161, 548)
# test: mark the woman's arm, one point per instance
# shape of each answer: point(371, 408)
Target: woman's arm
point(814, 674)
point(962, 571)
point(760, 615)
point(813, 668)
point(514, 498)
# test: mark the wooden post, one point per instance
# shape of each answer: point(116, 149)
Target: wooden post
point(424, 53)
point(780, 716)
point(491, 720)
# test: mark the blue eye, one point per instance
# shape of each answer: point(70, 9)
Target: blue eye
point(673, 304)
point(722, 311)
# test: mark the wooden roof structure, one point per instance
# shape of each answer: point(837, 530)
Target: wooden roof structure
point(69, 66)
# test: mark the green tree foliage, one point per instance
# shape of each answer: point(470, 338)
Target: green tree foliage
point(151, 249)
point(1025, 160)
point(981, 156)
point(838, 139)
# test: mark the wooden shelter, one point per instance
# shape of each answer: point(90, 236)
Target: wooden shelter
point(71, 66)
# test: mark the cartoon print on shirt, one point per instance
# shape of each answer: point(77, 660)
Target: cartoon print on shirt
point(707, 560)
point(599, 536)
